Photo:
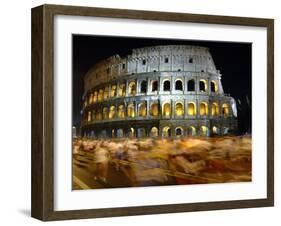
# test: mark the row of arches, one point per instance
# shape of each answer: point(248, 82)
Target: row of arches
point(166, 131)
point(115, 90)
point(141, 110)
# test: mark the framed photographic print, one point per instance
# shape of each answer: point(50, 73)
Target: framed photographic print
point(141, 112)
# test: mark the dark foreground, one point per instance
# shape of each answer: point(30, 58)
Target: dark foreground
point(153, 162)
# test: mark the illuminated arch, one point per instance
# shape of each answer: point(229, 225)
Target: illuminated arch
point(132, 88)
point(142, 110)
point(166, 132)
point(166, 109)
point(154, 132)
point(100, 96)
point(113, 91)
point(121, 111)
point(225, 110)
point(131, 110)
point(203, 109)
point(215, 109)
point(191, 131)
point(91, 99)
point(122, 90)
point(204, 130)
point(179, 110)
point(112, 112)
point(203, 85)
point(106, 93)
point(191, 108)
point(215, 130)
point(99, 115)
point(89, 118)
point(95, 96)
point(131, 132)
point(154, 109)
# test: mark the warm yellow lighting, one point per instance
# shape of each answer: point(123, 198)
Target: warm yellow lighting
point(215, 109)
point(106, 93)
point(204, 130)
point(105, 113)
point(112, 112)
point(154, 132)
point(100, 96)
point(203, 85)
point(225, 110)
point(122, 90)
point(166, 131)
point(121, 111)
point(215, 130)
point(203, 108)
point(166, 109)
point(154, 109)
point(214, 86)
point(89, 116)
point(95, 96)
point(131, 110)
point(179, 109)
point(113, 91)
point(191, 108)
point(142, 110)
point(192, 131)
point(132, 88)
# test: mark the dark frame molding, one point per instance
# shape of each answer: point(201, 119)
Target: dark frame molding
point(42, 198)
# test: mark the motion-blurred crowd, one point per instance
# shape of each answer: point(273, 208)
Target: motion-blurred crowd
point(170, 161)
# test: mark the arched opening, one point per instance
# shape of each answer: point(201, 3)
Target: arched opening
point(154, 86)
point(179, 109)
point(89, 118)
point(93, 115)
point(204, 131)
point(178, 85)
point(121, 111)
point(99, 115)
point(203, 85)
point(106, 93)
point(105, 113)
point(100, 96)
point(191, 85)
point(166, 110)
point(112, 112)
point(131, 132)
point(215, 109)
point(214, 87)
point(203, 109)
point(225, 110)
point(122, 90)
point(120, 133)
point(142, 110)
point(131, 110)
point(113, 91)
point(91, 98)
point(215, 130)
point(191, 131)
point(225, 130)
point(154, 132)
point(191, 109)
point(167, 85)
point(143, 86)
point(95, 96)
point(132, 88)
point(141, 132)
point(154, 109)
point(166, 132)
point(179, 131)
point(113, 133)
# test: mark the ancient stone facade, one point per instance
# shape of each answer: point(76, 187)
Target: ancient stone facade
point(172, 90)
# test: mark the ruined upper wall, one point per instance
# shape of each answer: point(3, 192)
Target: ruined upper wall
point(151, 59)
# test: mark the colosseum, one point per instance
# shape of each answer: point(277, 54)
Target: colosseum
point(167, 91)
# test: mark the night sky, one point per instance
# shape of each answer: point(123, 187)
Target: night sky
point(234, 60)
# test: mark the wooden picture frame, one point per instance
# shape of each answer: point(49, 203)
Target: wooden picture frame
point(43, 111)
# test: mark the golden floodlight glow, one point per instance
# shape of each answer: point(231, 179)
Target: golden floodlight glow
point(191, 108)
point(121, 111)
point(154, 109)
point(179, 109)
point(215, 109)
point(113, 91)
point(122, 90)
point(112, 112)
point(132, 88)
point(203, 108)
point(106, 93)
point(142, 110)
point(167, 109)
point(225, 110)
point(131, 110)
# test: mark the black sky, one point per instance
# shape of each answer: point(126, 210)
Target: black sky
point(234, 61)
